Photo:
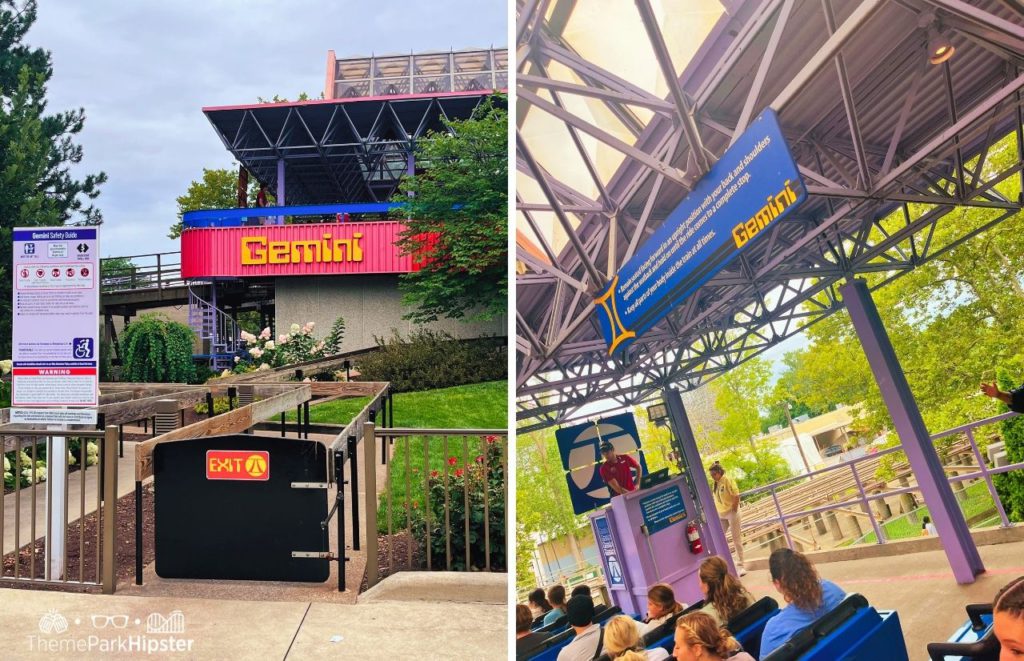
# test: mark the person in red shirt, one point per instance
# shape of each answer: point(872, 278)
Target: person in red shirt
point(617, 470)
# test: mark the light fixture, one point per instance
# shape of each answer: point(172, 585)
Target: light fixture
point(657, 412)
point(940, 48)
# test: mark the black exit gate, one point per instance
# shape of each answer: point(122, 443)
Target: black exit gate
point(240, 507)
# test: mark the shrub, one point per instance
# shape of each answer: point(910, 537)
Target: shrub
point(157, 350)
point(428, 360)
point(296, 346)
point(220, 405)
point(1010, 486)
point(459, 480)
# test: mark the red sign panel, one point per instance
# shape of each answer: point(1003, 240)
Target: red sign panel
point(237, 465)
point(282, 250)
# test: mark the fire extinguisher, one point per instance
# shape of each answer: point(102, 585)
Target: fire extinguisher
point(693, 536)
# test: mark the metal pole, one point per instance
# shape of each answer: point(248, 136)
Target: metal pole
point(879, 536)
point(954, 533)
point(796, 438)
point(109, 459)
point(688, 450)
point(782, 521)
point(305, 413)
point(138, 532)
point(988, 480)
point(353, 473)
point(282, 424)
point(339, 479)
point(372, 568)
point(232, 394)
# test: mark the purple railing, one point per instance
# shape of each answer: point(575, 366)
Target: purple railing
point(863, 499)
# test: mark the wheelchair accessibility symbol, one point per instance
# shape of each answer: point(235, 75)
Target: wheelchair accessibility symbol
point(83, 347)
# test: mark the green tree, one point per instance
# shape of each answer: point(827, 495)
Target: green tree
point(738, 395)
point(37, 150)
point(456, 215)
point(218, 189)
point(543, 507)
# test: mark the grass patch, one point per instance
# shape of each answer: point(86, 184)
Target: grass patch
point(473, 406)
point(478, 405)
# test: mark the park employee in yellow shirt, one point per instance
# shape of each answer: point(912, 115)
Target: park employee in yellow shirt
point(727, 502)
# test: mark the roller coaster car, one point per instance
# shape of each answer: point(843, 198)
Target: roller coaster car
point(975, 640)
point(852, 631)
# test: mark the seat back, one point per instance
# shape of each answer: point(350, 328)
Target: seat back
point(554, 642)
point(607, 614)
point(975, 640)
point(747, 626)
point(554, 626)
point(804, 640)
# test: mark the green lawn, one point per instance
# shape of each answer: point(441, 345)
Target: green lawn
point(476, 406)
point(977, 500)
point(479, 405)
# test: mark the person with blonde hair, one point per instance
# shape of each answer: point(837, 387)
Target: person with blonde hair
point(699, 638)
point(622, 635)
point(808, 595)
point(724, 595)
point(633, 655)
point(661, 605)
point(1008, 619)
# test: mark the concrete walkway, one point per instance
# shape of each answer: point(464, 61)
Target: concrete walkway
point(222, 629)
point(125, 485)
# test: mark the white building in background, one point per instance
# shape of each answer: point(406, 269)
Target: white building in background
point(825, 440)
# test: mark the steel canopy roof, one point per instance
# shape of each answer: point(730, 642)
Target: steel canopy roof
point(874, 127)
point(336, 150)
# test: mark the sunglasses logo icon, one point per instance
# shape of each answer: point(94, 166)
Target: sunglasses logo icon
point(115, 621)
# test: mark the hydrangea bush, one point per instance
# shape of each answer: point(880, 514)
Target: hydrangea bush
point(298, 345)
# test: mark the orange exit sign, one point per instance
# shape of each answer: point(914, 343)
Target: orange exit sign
point(237, 465)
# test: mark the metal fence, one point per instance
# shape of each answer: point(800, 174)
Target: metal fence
point(855, 484)
point(151, 271)
point(46, 507)
point(445, 496)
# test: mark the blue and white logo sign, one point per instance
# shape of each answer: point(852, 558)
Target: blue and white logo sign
point(82, 348)
point(754, 183)
point(579, 448)
point(605, 542)
point(30, 248)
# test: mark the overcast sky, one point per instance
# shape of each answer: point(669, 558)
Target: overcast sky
point(143, 70)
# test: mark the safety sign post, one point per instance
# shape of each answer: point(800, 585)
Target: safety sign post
point(55, 371)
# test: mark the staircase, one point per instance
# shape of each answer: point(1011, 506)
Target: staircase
point(215, 326)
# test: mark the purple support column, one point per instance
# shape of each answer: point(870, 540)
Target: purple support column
point(691, 456)
point(931, 478)
point(280, 188)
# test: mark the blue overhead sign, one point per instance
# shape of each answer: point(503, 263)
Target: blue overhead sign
point(753, 184)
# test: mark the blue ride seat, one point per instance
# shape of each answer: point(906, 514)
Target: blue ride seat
point(748, 625)
point(975, 640)
point(549, 648)
point(852, 630)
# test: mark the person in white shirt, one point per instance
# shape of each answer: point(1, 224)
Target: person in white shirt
point(661, 605)
point(587, 643)
point(622, 634)
point(928, 528)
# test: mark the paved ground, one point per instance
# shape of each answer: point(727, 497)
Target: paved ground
point(223, 629)
point(919, 586)
point(125, 485)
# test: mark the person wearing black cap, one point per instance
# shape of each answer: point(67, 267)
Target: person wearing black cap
point(617, 470)
point(587, 643)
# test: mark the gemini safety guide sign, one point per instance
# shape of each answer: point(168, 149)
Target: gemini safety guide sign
point(56, 317)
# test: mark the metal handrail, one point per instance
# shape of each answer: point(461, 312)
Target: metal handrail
point(863, 498)
point(405, 431)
